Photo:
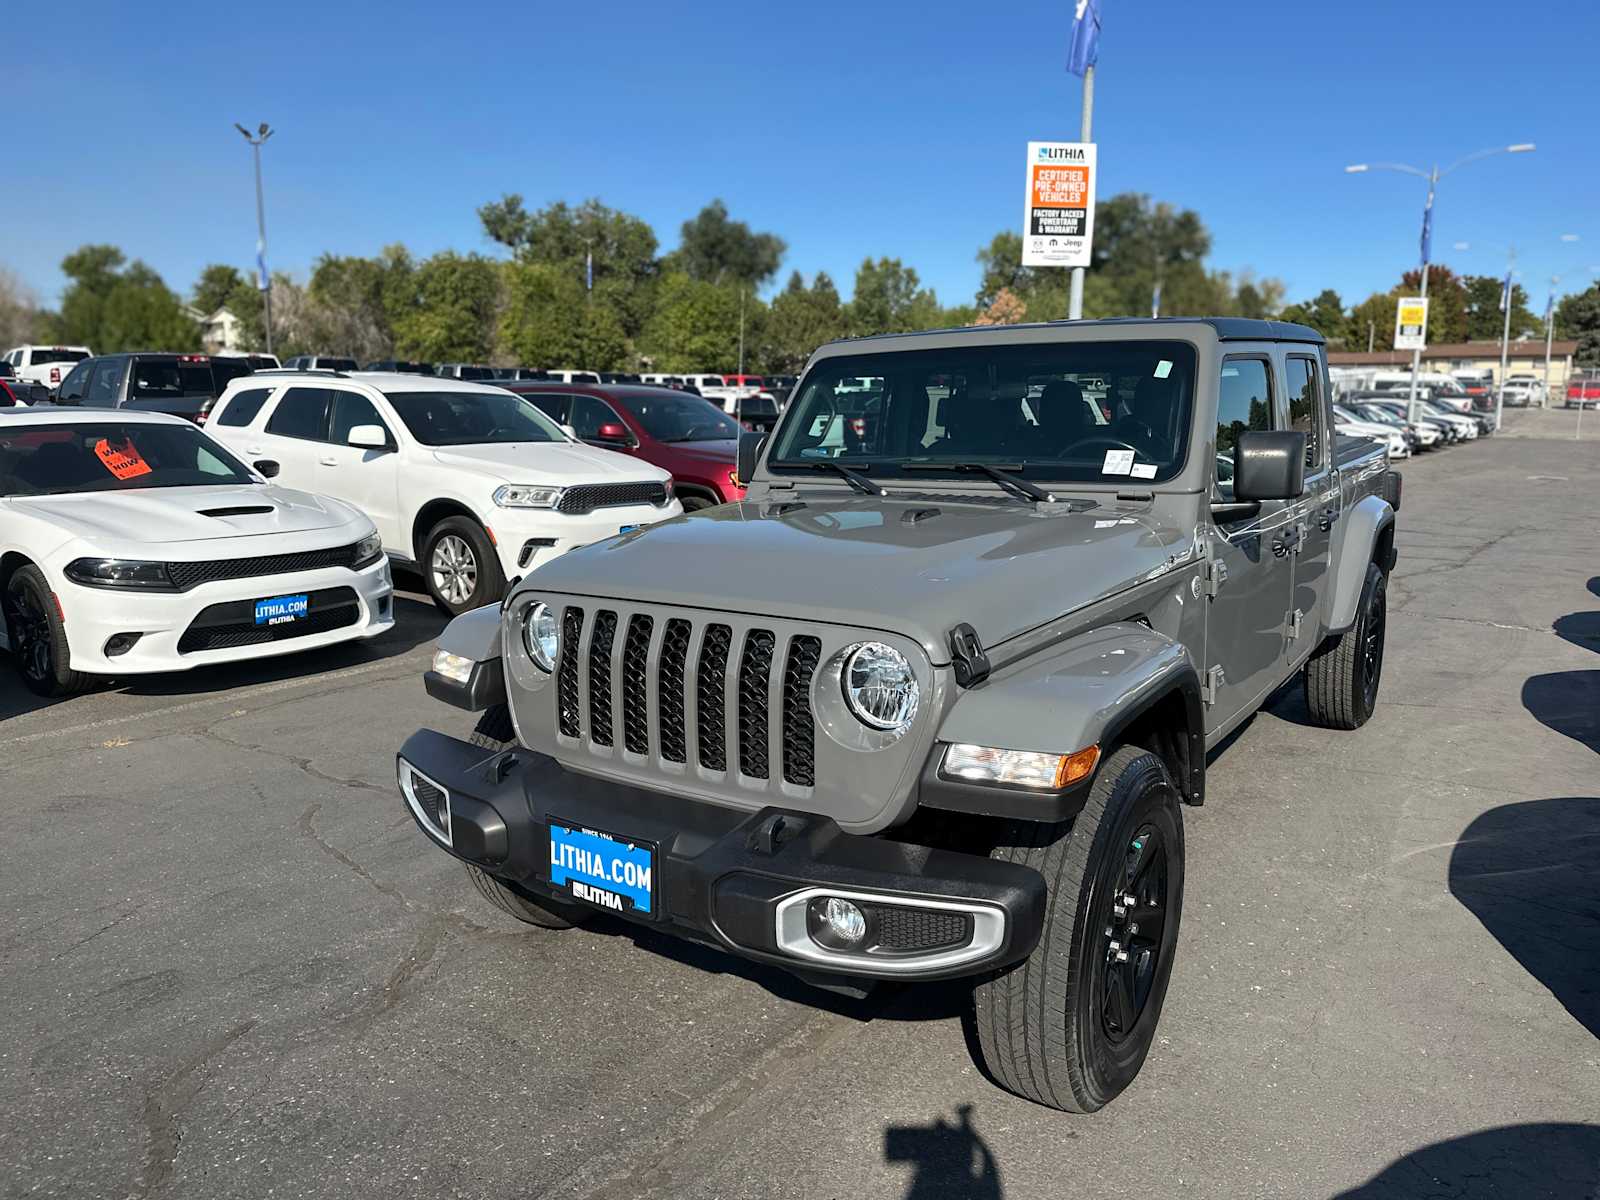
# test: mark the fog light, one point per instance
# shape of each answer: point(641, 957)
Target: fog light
point(120, 643)
point(836, 924)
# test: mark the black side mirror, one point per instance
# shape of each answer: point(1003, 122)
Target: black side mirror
point(1269, 465)
point(267, 467)
point(750, 447)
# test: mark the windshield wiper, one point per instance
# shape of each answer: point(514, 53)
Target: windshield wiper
point(1020, 488)
point(855, 479)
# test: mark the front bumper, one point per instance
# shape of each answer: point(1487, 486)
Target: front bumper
point(733, 879)
point(526, 538)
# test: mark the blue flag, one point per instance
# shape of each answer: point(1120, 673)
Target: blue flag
point(261, 267)
point(1427, 233)
point(588, 271)
point(1084, 51)
point(1505, 293)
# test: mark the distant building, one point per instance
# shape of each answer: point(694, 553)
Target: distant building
point(1522, 358)
point(219, 331)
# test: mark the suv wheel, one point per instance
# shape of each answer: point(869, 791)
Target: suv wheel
point(1341, 680)
point(460, 566)
point(1070, 1025)
point(38, 636)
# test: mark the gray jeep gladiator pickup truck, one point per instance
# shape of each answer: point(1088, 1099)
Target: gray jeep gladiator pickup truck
point(926, 704)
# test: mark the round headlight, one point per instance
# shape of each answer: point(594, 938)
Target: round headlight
point(879, 686)
point(541, 634)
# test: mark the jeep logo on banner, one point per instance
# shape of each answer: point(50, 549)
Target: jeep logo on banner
point(1058, 221)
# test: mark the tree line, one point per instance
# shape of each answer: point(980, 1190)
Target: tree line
point(587, 285)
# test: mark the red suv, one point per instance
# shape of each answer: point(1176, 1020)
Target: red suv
point(691, 437)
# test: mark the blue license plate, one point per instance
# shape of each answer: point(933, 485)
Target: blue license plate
point(603, 869)
point(281, 609)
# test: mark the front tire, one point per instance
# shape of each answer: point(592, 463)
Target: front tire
point(461, 567)
point(1342, 677)
point(526, 909)
point(1069, 1026)
point(38, 637)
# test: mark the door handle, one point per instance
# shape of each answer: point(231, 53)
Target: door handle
point(328, 460)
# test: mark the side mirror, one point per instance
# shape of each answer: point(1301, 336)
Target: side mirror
point(1269, 465)
point(266, 467)
point(570, 432)
point(612, 431)
point(750, 447)
point(369, 437)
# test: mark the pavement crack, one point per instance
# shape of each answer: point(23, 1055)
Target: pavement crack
point(307, 828)
point(164, 1106)
point(397, 986)
point(110, 925)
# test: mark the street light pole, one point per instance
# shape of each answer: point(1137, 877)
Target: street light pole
point(264, 280)
point(1075, 295)
point(1433, 177)
point(1505, 339)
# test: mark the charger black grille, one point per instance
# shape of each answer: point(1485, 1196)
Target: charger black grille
point(605, 632)
point(586, 497)
point(233, 624)
point(188, 575)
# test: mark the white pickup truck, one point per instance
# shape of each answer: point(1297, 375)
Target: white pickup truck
point(46, 364)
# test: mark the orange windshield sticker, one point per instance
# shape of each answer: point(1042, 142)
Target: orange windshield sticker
point(122, 461)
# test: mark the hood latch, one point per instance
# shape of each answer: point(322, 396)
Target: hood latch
point(967, 657)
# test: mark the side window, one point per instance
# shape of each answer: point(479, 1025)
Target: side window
point(76, 383)
point(301, 413)
point(551, 404)
point(1244, 403)
point(242, 408)
point(588, 414)
point(349, 410)
point(1305, 406)
point(103, 381)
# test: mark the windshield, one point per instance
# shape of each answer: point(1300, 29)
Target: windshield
point(1084, 411)
point(678, 418)
point(472, 418)
point(110, 456)
point(170, 377)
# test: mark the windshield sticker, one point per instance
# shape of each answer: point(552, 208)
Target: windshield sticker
point(122, 461)
point(1163, 369)
point(1144, 470)
point(1118, 462)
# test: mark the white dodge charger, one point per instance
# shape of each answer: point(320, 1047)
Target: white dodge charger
point(130, 543)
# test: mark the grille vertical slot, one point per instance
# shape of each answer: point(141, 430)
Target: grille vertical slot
point(605, 632)
point(799, 728)
point(636, 684)
point(568, 709)
point(755, 672)
point(670, 687)
point(711, 701)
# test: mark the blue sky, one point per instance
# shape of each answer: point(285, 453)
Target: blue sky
point(849, 129)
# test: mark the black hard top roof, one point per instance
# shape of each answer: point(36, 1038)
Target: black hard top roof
point(1228, 329)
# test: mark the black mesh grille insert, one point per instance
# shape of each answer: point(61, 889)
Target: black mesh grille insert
point(799, 734)
point(567, 672)
point(233, 624)
point(909, 930)
point(586, 497)
point(186, 575)
point(711, 702)
point(669, 679)
point(636, 685)
point(429, 798)
point(605, 632)
point(755, 668)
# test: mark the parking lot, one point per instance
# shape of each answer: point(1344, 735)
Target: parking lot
point(230, 965)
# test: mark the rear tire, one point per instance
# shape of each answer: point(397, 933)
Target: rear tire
point(460, 566)
point(544, 913)
point(1342, 677)
point(1069, 1026)
point(38, 637)
point(693, 503)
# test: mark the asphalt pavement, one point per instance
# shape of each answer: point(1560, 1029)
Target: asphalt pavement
point(230, 965)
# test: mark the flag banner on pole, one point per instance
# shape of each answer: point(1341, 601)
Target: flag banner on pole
point(261, 267)
point(1427, 234)
point(1505, 293)
point(1155, 300)
point(588, 271)
point(1084, 50)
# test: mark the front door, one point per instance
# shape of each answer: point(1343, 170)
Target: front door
point(366, 477)
point(1248, 615)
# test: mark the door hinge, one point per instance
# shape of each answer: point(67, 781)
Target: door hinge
point(1210, 689)
point(1213, 574)
point(1296, 620)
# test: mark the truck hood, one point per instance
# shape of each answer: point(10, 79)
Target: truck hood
point(1001, 567)
point(556, 463)
point(151, 516)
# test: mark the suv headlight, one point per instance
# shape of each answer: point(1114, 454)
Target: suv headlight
point(368, 551)
point(522, 495)
point(541, 636)
point(879, 686)
point(120, 573)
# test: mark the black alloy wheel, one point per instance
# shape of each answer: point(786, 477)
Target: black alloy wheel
point(1136, 914)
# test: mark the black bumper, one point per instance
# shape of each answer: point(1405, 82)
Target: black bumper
point(723, 875)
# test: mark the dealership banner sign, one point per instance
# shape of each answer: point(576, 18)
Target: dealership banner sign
point(1411, 324)
point(1058, 222)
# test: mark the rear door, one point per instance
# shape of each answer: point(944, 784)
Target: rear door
point(1247, 618)
point(294, 435)
point(363, 476)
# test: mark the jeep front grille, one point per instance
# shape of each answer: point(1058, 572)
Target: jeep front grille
point(660, 689)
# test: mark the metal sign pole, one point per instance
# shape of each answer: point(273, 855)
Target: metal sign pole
point(1075, 295)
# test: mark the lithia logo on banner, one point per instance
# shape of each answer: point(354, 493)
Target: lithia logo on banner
point(1062, 153)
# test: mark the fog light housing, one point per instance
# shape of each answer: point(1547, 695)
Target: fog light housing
point(120, 643)
point(836, 924)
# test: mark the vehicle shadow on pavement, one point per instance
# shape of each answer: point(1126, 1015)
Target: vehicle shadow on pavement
point(950, 1158)
point(1543, 1161)
point(1527, 871)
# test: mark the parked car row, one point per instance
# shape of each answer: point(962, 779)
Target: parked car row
point(1385, 416)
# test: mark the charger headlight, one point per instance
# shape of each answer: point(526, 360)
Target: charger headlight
point(541, 636)
point(368, 551)
point(120, 573)
point(879, 686)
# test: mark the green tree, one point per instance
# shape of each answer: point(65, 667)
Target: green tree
point(452, 318)
point(1485, 321)
point(110, 306)
point(1578, 317)
point(1374, 315)
point(216, 288)
point(801, 319)
point(1325, 313)
point(695, 326)
point(889, 298)
point(550, 322)
point(1447, 303)
point(718, 250)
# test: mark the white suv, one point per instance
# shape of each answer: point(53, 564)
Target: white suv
point(46, 364)
point(467, 482)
